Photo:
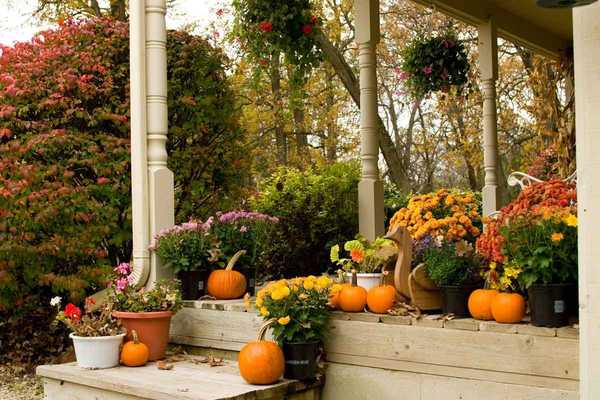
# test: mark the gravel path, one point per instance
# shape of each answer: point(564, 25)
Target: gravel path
point(16, 384)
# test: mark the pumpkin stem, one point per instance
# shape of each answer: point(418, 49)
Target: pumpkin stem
point(135, 337)
point(384, 275)
point(234, 259)
point(263, 329)
point(354, 278)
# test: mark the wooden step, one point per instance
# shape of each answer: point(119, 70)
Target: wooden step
point(186, 381)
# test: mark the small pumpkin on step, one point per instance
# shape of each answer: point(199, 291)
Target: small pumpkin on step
point(227, 284)
point(353, 298)
point(134, 352)
point(381, 298)
point(261, 362)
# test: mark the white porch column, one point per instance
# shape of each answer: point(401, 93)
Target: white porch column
point(488, 65)
point(161, 196)
point(139, 158)
point(370, 188)
point(586, 41)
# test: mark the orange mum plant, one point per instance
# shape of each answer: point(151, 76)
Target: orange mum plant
point(450, 214)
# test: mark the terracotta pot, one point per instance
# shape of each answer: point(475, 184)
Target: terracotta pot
point(151, 327)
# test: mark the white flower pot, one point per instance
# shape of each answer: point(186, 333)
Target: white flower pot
point(97, 352)
point(367, 281)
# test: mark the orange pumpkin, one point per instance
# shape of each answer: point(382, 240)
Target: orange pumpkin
point(353, 298)
point(480, 304)
point(261, 362)
point(508, 308)
point(381, 298)
point(134, 352)
point(226, 284)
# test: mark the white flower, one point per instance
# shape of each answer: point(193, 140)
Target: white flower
point(55, 301)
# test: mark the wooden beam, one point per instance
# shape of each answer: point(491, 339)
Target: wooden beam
point(510, 26)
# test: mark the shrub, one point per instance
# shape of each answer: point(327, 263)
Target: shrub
point(64, 161)
point(317, 209)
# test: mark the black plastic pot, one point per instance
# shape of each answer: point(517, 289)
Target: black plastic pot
point(250, 274)
point(193, 284)
point(455, 299)
point(549, 304)
point(301, 360)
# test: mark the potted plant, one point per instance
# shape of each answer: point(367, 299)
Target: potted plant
point(96, 336)
point(537, 233)
point(434, 63)
point(453, 267)
point(500, 300)
point(300, 307)
point(146, 311)
point(368, 258)
point(544, 245)
point(186, 250)
point(241, 230)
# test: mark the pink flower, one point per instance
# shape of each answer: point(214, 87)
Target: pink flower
point(243, 229)
point(220, 12)
point(102, 180)
point(123, 269)
point(121, 284)
point(427, 70)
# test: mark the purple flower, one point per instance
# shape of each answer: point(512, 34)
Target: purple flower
point(427, 70)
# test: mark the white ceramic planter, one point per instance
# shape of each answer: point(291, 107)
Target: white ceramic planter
point(367, 281)
point(97, 352)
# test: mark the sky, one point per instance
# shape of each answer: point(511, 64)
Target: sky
point(17, 24)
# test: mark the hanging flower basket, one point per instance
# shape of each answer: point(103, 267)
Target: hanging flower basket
point(434, 64)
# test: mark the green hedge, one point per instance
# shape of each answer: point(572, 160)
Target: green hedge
point(317, 209)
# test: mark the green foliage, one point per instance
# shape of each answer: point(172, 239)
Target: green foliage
point(435, 63)
point(317, 209)
point(394, 200)
point(365, 256)
point(164, 296)
point(65, 213)
point(452, 263)
point(545, 250)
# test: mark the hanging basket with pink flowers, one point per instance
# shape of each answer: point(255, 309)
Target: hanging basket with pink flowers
point(435, 63)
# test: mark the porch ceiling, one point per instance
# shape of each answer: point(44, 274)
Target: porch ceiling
point(547, 31)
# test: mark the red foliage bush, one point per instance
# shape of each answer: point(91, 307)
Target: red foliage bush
point(64, 160)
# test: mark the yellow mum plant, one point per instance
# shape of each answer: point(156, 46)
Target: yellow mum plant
point(450, 214)
point(300, 307)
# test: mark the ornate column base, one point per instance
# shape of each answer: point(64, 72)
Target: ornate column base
point(370, 208)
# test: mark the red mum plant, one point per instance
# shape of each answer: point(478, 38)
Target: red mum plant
point(538, 201)
point(307, 29)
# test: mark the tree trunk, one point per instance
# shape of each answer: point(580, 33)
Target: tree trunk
point(346, 75)
point(118, 9)
point(280, 137)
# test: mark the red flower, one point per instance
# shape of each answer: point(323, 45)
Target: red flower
point(220, 12)
point(72, 312)
point(313, 19)
point(307, 29)
point(266, 26)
